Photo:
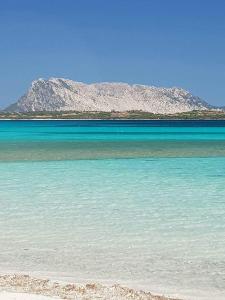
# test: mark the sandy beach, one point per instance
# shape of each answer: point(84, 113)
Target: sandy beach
point(22, 296)
point(24, 287)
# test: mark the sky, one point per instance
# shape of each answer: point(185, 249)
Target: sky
point(155, 42)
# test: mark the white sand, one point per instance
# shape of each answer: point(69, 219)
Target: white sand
point(22, 296)
point(24, 287)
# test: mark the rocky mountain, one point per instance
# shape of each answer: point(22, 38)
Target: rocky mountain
point(58, 94)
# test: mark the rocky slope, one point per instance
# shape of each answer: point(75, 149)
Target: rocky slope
point(58, 94)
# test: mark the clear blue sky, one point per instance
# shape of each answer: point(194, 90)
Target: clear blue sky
point(156, 42)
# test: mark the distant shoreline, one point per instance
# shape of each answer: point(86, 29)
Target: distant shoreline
point(206, 115)
point(59, 119)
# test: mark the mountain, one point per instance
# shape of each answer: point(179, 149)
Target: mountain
point(58, 94)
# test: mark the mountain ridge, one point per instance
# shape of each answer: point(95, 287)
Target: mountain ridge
point(59, 94)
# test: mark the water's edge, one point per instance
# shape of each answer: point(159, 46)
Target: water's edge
point(20, 283)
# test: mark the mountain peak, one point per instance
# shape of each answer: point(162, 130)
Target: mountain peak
point(60, 94)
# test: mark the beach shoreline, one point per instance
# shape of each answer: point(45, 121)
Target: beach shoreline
point(20, 286)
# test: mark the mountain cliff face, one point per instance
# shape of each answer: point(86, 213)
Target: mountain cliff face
point(58, 94)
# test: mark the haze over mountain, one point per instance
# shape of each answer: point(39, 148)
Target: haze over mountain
point(58, 94)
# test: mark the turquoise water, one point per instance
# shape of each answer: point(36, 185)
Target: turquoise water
point(141, 203)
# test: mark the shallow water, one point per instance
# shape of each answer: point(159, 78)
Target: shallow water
point(137, 202)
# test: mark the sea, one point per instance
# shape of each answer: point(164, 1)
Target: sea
point(139, 203)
